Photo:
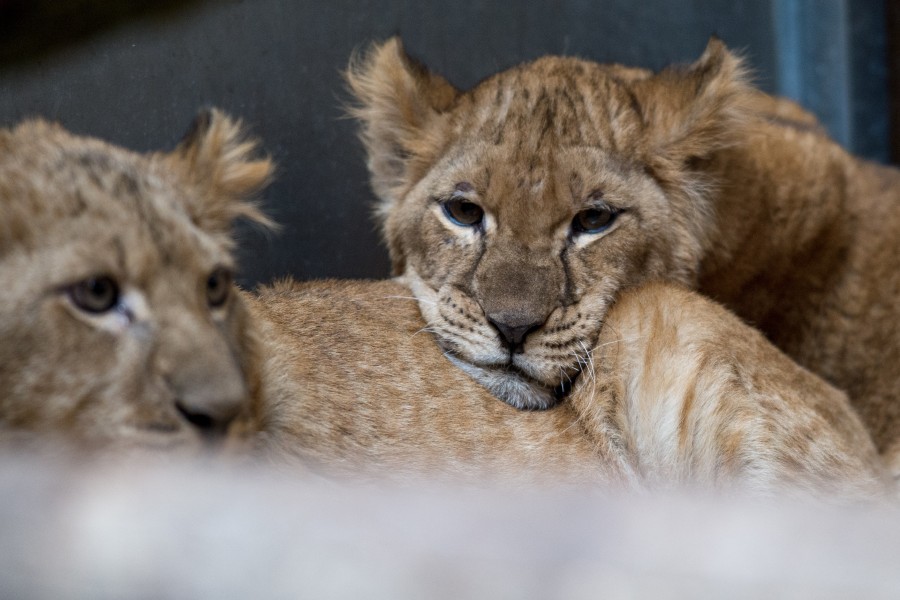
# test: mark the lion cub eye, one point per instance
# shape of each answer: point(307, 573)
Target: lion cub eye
point(593, 220)
point(462, 212)
point(218, 286)
point(95, 295)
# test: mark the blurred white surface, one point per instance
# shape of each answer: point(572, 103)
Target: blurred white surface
point(134, 530)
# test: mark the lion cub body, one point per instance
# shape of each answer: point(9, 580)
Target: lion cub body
point(678, 392)
point(107, 337)
point(809, 252)
point(521, 209)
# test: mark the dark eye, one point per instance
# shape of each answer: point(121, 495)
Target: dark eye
point(593, 220)
point(462, 212)
point(218, 286)
point(95, 295)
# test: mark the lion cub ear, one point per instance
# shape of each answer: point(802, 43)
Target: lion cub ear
point(218, 158)
point(399, 104)
point(693, 111)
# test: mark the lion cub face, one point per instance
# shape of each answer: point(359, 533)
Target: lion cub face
point(519, 209)
point(118, 320)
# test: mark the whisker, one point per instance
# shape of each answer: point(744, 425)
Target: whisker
point(589, 358)
point(574, 423)
point(577, 358)
point(628, 340)
point(427, 329)
point(592, 368)
point(433, 303)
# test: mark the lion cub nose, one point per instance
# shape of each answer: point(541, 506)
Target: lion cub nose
point(211, 405)
point(513, 330)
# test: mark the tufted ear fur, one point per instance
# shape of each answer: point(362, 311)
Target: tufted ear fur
point(399, 104)
point(689, 113)
point(692, 111)
point(218, 158)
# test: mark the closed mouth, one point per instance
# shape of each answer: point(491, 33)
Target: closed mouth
point(513, 386)
point(560, 391)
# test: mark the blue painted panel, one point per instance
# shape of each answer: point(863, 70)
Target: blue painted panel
point(831, 58)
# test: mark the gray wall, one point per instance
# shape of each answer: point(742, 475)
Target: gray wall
point(135, 73)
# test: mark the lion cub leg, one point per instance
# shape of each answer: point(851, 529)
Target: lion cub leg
point(690, 394)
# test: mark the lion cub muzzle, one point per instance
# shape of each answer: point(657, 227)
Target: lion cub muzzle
point(207, 384)
point(517, 296)
point(211, 401)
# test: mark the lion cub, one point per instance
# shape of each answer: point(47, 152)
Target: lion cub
point(521, 209)
point(119, 325)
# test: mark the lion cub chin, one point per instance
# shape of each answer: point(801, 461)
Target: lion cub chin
point(119, 326)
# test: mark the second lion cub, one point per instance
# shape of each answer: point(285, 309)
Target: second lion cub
point(119, 326)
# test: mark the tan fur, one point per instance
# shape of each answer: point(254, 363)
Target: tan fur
point(157, 225)
point(341, 375)
point(677, 392)
point(718, 187)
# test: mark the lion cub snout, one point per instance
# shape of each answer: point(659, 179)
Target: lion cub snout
point(517, 297)
point(511, 333)
point(210, 397)
point(206, 382)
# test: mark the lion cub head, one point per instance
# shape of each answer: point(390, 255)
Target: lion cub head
point(519, 209)
point(119, 324)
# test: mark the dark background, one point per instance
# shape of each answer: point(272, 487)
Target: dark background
point(135, 72)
